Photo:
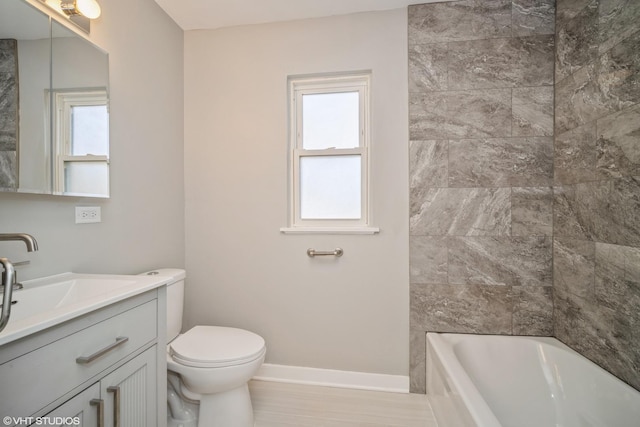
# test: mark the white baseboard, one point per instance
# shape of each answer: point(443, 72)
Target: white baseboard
point(333, 378)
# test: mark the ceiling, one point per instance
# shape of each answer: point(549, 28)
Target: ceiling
point(210, 14)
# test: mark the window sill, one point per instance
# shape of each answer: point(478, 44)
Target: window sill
point(330, 230)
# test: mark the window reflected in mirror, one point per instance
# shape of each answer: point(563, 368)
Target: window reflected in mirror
point(81, 131)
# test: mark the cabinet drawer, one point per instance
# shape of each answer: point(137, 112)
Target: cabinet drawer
point(28, 383)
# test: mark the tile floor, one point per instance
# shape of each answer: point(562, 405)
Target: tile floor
point(287, 405)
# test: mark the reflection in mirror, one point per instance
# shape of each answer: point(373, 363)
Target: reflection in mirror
point(54, 123)
point(80, 117)
point(24, 80)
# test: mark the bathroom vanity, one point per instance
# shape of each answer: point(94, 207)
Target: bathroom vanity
point(96, 352)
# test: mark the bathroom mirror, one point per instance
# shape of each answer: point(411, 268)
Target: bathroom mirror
point(54, 123)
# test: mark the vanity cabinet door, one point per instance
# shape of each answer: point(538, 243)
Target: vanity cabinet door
point(130, 393)
point(81, 410)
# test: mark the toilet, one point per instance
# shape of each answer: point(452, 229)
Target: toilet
point(213, 365)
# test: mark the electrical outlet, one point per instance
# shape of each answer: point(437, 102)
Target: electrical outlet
point(87, 214)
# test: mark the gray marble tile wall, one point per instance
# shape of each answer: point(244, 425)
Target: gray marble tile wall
point(481, 76)
point(8, 113)
point(596, 248)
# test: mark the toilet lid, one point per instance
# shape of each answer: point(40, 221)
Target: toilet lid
point(216, 346)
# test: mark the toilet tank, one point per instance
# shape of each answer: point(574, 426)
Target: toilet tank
point(175, 299)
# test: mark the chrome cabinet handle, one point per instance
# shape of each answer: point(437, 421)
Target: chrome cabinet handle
point(100, 404)
point(83, 360)
point(116, 404)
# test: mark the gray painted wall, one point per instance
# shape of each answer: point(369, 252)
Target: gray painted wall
point(349, 313)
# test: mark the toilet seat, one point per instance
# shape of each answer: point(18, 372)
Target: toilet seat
point(216, 347)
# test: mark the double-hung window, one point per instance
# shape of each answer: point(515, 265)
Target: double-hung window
point(81, 130)
point(329, 153)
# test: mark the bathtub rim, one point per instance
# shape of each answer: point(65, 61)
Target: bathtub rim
point(443, 344)
point(474, 402)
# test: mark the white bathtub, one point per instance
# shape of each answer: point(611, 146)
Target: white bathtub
point(505, 381)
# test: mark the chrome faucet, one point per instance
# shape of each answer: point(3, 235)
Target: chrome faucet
point(28, 239)
point(9, 274)
point(15, 284)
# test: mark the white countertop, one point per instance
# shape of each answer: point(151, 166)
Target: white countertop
point(49, 301)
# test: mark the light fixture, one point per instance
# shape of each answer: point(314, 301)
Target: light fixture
point(88, 8)
point(78, 12)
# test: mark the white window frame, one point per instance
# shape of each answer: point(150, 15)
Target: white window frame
point(306, 85)
point(64, 101)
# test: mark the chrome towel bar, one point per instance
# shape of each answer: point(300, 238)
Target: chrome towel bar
point(336, 252)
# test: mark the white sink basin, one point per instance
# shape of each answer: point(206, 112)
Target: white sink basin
point(45, 302)
point(36, 300)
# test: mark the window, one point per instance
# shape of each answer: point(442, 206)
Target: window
point(81, 131)
point(329, 153)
